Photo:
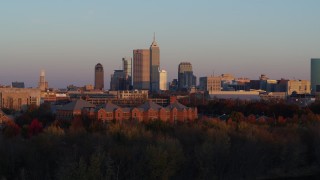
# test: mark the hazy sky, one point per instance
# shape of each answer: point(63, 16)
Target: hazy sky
point(243, 37)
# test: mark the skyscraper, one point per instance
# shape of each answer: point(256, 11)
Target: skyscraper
point(186, 79)
point(127, 66)
point(43, 85)
point(315, 75)
point(154, 65)
point(163, 80)
point(98, 77)
point(141, 69)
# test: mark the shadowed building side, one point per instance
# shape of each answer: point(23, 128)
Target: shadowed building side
point(315, 75)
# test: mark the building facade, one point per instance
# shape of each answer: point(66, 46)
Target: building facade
point(315, 75)
point(148, 111)
point(43, 84)
point(154, 66)
point(141, 69)
point(19, 98)
point(298, 86)
point(163, 80)
point(186, 79)
point(98, 77)
point(119, 81)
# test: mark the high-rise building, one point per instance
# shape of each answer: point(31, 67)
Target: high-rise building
point(154, 65)
point(315, 75)
point(119, 81)
point(127, 66)
point(43, 84)
point(141, 69)
point(98, 77)
point(163, 80)
point(186, 79)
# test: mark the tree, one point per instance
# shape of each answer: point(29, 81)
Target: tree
point(35, 127)
point(11, 129)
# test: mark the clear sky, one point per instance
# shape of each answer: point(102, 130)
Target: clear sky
point(243, 37)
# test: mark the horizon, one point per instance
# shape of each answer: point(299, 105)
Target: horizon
point(246, 39)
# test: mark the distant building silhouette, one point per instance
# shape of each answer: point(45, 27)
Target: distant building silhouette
point(43, 84)
point(119, 81)
point(18, 84)
point(98, 77)
point(186, 79)
point(315, 75)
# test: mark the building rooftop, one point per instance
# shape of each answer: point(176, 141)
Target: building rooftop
point(150, 105)
point(177, 105)
point(77, 105)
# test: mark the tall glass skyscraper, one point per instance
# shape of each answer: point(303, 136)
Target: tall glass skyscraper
point(154, 66)
point(141, 69)
point(315, 75)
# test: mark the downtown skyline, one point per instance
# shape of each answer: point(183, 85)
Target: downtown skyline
point(246, 38)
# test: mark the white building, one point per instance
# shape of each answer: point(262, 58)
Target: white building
point(163, 80)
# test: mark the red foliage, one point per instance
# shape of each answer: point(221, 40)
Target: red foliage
point(281, 120)
point(35, 127)
point(11, 129)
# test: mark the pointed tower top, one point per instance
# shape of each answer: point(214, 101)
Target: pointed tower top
point(154, 43)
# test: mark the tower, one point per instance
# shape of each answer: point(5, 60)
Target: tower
point(154, 65)
point(42, 85)
point(163, 80)
point(127, 66)
point(315, 75)
point(141, 69)
point(186, 79)
point(98, 77)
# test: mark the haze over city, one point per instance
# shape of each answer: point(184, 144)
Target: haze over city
point(245, 38)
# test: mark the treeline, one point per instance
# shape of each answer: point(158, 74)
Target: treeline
point(157, 150)
point(260, 108)
point(284, 146)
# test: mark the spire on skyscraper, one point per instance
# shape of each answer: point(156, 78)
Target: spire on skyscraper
point(154, 43)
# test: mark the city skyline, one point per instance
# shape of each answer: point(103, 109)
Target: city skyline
point(246, 38)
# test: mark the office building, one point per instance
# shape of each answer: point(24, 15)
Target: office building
point(163, 80)
point(298, 86)
point(141, 69)
point(19, 98)
point(186, 79)
point(98, 77)
point(43, 84)
point(210, 84)
point(315, 75)
point(119, 81)
point(154, 66)
point(127, 67)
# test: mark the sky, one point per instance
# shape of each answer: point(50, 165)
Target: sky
point(67, 38)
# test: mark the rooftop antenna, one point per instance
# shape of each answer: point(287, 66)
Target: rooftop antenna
point(154, 36)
